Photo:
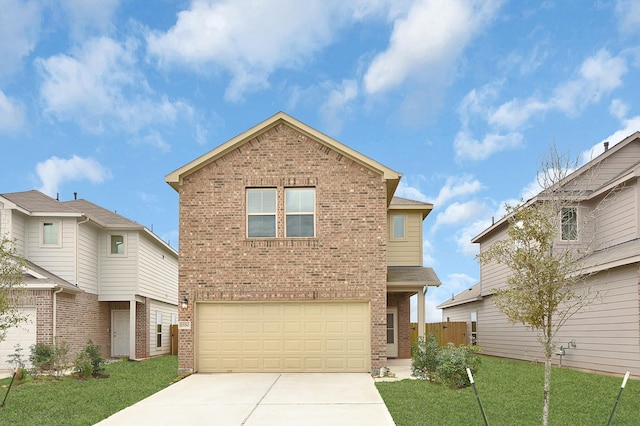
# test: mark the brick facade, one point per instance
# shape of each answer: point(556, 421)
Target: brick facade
point(402, 301)
point(80, 317)
point(346, 260)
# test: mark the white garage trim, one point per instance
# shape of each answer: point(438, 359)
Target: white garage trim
point(283, 337)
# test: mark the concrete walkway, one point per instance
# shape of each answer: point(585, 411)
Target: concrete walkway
point(262, 399)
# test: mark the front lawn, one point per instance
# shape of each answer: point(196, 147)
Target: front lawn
point(69, 401)
point(511, 394)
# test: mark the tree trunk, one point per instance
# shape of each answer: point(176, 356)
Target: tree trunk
point(547, 386)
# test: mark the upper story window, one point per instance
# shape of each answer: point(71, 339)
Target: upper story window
point(569, 224)
point(51, 233)
point(261, 213)
point(398, 226)
point(117, 244)
point(300, 207)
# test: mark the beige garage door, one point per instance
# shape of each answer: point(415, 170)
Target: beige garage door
point(283, 337)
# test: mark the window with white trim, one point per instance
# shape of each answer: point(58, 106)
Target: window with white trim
point(398, 226)
point(261, 212)
point(569, 224)
point(159, 329)
point(117, 244)
point(300, 209)
point(51, 233)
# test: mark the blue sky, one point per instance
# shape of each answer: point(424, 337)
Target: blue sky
point(106, 97)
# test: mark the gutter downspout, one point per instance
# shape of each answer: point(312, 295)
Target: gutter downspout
point(77, 235)
point(55, 300)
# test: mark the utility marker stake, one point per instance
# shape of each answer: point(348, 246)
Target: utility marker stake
point(473, 385)
point(624, 382)
point(10, 384)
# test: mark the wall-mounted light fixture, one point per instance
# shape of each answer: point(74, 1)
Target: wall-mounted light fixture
point(185, 302)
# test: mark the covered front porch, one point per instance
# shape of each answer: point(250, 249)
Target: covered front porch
point(403, 282)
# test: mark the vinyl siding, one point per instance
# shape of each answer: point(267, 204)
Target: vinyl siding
point(59, 260)
point(166, 310)
point(18, 229)
point(158, 271)
point(606, 332)
point(118, 273)
point(88, 258)
point(408, 250)
point(617, 218)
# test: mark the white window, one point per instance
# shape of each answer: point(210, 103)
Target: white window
point(300, 207)
point(51, 233)
point(474, 328)
point(397, 226)
point(159, 329)
point(569, 224)
point(261, 213)
point(117, 244)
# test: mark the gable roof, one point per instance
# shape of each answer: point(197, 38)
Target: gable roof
point(35, 203)
point(633, 171)
point(399, 203)
point(469, 295)
point(391, 177)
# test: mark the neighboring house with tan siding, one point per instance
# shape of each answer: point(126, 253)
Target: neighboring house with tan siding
point(91, 274)
point(295, 255)
point(607, 332)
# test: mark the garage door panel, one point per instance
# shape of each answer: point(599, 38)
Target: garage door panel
point(283, 336)
point(23, 333)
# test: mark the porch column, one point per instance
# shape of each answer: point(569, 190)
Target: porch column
point(132, 329)
point(421, 316)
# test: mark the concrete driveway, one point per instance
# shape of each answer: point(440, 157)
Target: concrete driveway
point(254, 399)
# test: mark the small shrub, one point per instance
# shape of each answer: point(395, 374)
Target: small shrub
point(51, 359)
point(425, 357)
point(89, 361)
point(18, 362)
point(453, 363)
point(82, 365)
point(444, 365)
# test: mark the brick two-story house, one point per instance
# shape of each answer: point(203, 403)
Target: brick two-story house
point(295, 255)
point(91, 274)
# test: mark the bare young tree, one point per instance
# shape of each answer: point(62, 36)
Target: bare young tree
point(12, 269)
point(544, 252)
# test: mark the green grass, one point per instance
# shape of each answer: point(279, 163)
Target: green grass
point(511, 393)
point(69, 401)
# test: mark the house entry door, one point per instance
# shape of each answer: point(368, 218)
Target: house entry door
point(392, 332)
point(119, 333)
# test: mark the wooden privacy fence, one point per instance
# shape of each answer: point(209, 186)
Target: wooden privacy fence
point(445, 332)
point(174, 339)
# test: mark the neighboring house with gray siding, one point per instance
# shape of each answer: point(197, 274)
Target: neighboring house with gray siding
point(607, 332)
point(91, 274)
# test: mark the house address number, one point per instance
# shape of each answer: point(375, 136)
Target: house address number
point(184, 325)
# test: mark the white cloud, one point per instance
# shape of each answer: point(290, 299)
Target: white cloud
point(599, 75)
point(464, 236)
point(427, 254)
point(629, 126)
point(457, 213)
point(410, 192)
point(250, 40)
point(457, 186)
point(628, 13)
point(336, 107)
point(430, 37)
point(89, 16)
point(466, 147)
point(56, 171)
point(20, 23)
point(12, 116)
point(100, 89)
